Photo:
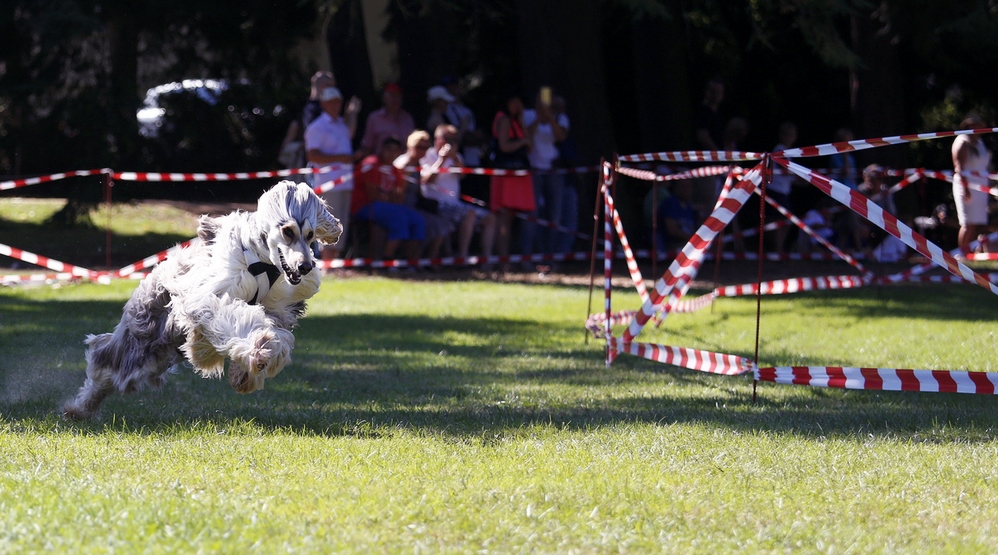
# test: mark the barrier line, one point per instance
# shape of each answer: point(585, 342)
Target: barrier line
point(884, 220)
point(882, 379)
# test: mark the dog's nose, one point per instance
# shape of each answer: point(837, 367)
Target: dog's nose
point(304, 268)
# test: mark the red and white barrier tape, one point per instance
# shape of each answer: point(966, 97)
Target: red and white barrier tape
point(925, 267)
point(624, 317)
point(677, 278)
point(821, 240)
point(882, 379)
point(694, 156)
point(992, 277)
point(796, 285)
point(36, 278)
point(451, 261)
point(884, 220)
point(647, 175)
point(981, 256)
point(5, 185)
point(632, 264)
point(45, 262)
point(863, 144)
point(150, 261)
point(694, 359)
point(237, 176)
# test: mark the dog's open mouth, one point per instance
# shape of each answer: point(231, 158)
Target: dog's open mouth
point(294, 278)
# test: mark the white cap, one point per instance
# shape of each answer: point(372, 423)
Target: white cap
point(330, 93)
point(438, 93)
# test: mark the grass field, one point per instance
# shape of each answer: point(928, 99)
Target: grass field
point(473, 417)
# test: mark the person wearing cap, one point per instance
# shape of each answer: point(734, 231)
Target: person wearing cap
point(388, 121)
point(971, 160)
point(327, 143)
point(439, 100)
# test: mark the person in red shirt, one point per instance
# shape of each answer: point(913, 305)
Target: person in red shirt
point(378, 194)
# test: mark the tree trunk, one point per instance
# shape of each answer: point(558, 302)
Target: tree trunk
point(123, 43)
point(878, 90)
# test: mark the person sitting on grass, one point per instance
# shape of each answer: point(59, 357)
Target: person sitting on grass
point(378, 198)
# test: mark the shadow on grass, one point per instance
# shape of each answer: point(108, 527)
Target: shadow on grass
point(467, 378)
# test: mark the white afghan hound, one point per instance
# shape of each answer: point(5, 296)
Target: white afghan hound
point(236, 293)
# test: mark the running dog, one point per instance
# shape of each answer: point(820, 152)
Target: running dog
point(236, 293)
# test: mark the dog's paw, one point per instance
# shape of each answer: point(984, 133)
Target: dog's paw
point(250, 363)
point(243, 381)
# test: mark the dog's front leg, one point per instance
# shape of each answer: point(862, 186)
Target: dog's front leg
point(256, 347)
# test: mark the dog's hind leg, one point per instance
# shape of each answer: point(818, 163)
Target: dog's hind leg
point(99, 383)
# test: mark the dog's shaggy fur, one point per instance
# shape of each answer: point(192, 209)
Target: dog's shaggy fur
point(235, 293)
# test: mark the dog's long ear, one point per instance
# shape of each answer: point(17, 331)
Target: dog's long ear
point(207, 229)
point(328, 229)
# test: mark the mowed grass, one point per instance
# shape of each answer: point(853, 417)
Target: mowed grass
point(462, 417)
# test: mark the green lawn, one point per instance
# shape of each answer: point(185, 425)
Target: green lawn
point(473, 417)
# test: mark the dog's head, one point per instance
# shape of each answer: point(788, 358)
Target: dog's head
point(289, 217)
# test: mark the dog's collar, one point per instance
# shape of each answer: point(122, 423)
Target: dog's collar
point(266, 275)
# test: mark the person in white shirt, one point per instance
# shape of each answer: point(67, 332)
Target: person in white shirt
point(971, 162)
point(546, 130)
point(327, 143)
point(445, 188)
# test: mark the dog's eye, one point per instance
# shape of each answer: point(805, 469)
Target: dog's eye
point(309, 236)
point(289, 233)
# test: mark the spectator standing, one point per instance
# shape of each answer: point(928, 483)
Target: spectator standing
point(327, 142)
point(293, 147)
point(546, 129)
point(388, 121)
point(971, 161)
point(439, 100)
point(445, 188)
point(707, 123)
point(460, 116)
point(510, 193)
point(379, 199)
point(568, 157)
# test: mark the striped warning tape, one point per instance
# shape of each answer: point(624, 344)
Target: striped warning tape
point(925, 267)
point(821, 240)
point(37, 278)
point(45, 262)
point(795, 285)
point(694, 156)
point(863, 144)
point(632, 264)
point(681, 271)
point(882, 379)
point(5, 185)
point(694, 359)
point(884, 220)
point(149, 261)
point(646, 175)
